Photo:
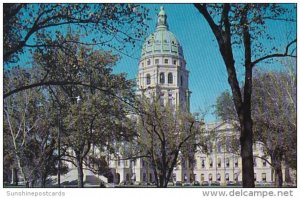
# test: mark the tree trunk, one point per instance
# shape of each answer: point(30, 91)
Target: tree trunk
point(161, 181)
point(278, 176)
point(79, 171)
point(278, 170)
point(43, 180)
point(246, 141)
point(14, 176)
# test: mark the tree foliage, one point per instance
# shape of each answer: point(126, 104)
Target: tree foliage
point(43, 25)
point(274, 116)
point(54, 30)
point(166, 137)
point(245, 26)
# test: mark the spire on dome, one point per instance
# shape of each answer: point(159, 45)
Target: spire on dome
point(162, 19)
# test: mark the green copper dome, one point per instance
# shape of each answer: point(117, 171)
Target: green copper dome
point(162, 41)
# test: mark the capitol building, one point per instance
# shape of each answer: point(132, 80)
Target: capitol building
point(162, 65)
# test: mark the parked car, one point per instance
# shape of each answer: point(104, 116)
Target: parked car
point(230, 183)
point(186, 184)
point(215, 183)
point(145, 183)
point(137, 183)
point(124, 183)
point(260, 184)
point(170, 183)
point(196, 183)
point(205, 183)
point(178, 183)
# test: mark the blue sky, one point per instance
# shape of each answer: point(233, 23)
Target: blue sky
point(208, 77)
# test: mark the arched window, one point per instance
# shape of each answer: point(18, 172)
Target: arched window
point(210, 177)
point(162, 78)
point(218, 177)
point(170, 78)
point(227, 176)
point(148, 79)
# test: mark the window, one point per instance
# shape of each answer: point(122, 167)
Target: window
point(227, 176)
point(156, 61)
point(119, 162)
point(254, 161)
point(202, 177)
point(219, 162)
point(219, 147)
point(166, 61)
point(170, 78)
point(264, 163)
point(210, 177)
point(218, 177)
point(181, 81)
point(148, 62)
point(203, 163)
point(264, 177)
point(142, 64)
point(148, 79)
point(236, 177)
point(126, 163)
point(254, 176)
point(210, 163)
point(162, 78)
point(236, 162)
point(227, 162)
point(174, 62)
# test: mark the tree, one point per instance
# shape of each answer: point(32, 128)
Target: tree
point(166, 136)
point(96, 119)
point(29, 135)
point(31, 27)
point(274, 117)
point(244, 26)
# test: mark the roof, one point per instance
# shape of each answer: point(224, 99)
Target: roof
point(162, 41)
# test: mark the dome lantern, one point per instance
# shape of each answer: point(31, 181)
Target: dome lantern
point(162, 19)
